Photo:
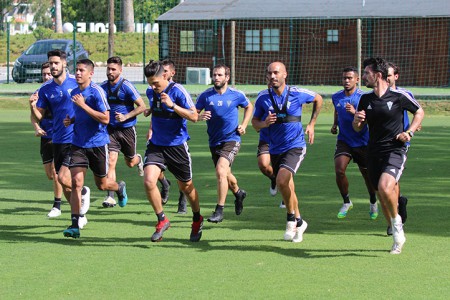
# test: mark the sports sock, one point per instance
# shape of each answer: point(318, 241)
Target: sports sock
point(299, 221)
point(75, 218)
point(273, 182)
point(111, 194)
point(57, 203)
point(238, 193)
point(290, 217)
point(196, 216)
point(165, 183)
point(373, 199)
point(219, 208)
point(161, 216)
point(346, 198)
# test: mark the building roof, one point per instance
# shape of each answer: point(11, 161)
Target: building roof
point(262, 9)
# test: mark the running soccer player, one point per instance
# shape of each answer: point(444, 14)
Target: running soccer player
point(279, 109)
point(126, 104)
point(90, 141)
point(350, 144)
point(170, 107)
point(383, 110)
point(221, 112)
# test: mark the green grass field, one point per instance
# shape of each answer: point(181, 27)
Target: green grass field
point(243, 257)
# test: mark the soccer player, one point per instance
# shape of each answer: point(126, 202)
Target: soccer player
point(279, 109)
point(350, 144)
point(54, 96)
point(383, 110)
point(221, 112)
point(126, 104)
point(170, 107)
point(90, 141)
point(44, 130)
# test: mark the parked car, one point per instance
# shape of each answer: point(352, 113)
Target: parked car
point(28, 65)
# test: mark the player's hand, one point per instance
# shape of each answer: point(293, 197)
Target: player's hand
point(270, 119)
point(147, 112)
point(79, 100)
point(360, 116)
point(310, 132)
point(40, 132)
point(206, 115)
point(67, 121)
point(403, 137)
point(166, 100)
point(334, 129)
point(419, 128)
point(120, 117)
point(241, 130)
point(350, 108)
point(33, 100)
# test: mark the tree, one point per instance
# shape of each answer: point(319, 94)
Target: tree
point(111, 29)
point(58, 17)
point(127, 15)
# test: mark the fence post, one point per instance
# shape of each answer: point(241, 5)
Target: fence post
point(233, 53)
point(74, 45)
point(143, 51)
point(7, 52)
point(359, 48)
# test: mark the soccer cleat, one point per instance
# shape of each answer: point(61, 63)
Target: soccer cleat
point(109, 202)
point(72, 232)
point(85, 200)
point(160, 228)
point(389, 230)
point(298, 237)
point(82, 221)
point(182, 204)
point(140, 166)
point(273, 187)
point(196, 231)
point(282, 205)
point(122, 194)
point(344, 209)
point(165, 193)
point(239, 202)
point(373, 212)
point(291, 230)
point(216, 217)
point(399, 238)
point(402, 202)
point(54, 212)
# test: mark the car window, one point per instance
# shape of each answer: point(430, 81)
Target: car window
point(43, 48)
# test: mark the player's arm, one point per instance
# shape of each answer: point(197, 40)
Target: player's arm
point(359, 120)
point(37, 112)
point(248, 112)
point(99, 116)
point(139, 109)
point(335, 123)
point(317, 105)
point(413, 127)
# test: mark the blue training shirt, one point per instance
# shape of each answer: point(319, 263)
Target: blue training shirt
point(87, 132)
point(284, 136)
point(346, 132)
point(46, 122)
point(405, 113)
point(224, 108)
point(57, 99)
point(126, 95)
point(166, 131)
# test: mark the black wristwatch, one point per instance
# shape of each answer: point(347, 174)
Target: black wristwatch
point(173, 106)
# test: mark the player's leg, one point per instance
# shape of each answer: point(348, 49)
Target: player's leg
point(265, 167)
point(77, 171)
point(342, 158)
point(188, 189)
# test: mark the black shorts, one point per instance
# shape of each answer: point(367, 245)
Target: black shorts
point(392, 163)
point(263, 148)
point(61, 155)
point(175, 158)
point(290, 160)
point(358, 154)
point(123, 140)
point(95, 158)
point(46, 150)
point(227, 150)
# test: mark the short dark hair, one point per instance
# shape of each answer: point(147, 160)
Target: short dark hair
point(57, 52)
point(87, 62)
point(168, 62)
point(45, 65)
point(395, 67)
point(225, 67)
point(153, 68)
point(377, 64)
point(350, 69)
point(114, 60)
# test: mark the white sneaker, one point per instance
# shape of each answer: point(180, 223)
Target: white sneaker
point(140, 166)
point(282, 205)
point(54, 212)
point(344, 210)
point(399, 238)
point(273, 190)
point(373, 212)
point(85, 200)
point(82, 221)
point(299, 232)
point(291, 230)
point(109, 202)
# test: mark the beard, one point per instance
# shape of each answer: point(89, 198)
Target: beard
point(219, 85)
point(58, 74)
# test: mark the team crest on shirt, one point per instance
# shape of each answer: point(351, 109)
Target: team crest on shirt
point(229, 103)
point(220, 103)
point(389, 104)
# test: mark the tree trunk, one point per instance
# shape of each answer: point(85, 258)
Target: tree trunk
point(111, 29)
point(58, 17)
point(128, 16)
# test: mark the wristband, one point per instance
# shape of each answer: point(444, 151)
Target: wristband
point(410, 133)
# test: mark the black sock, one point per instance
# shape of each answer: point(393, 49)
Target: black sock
point(83, 191)
point(161, 216)
point(165, 183)
point(290, 217)
point(273, 182)
point(219, 208)
point(373, 198)
point(346, 198)
point(196, 216)
point(110, 194)
point(57, 203)
point(75, 218)
point(299, 221)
